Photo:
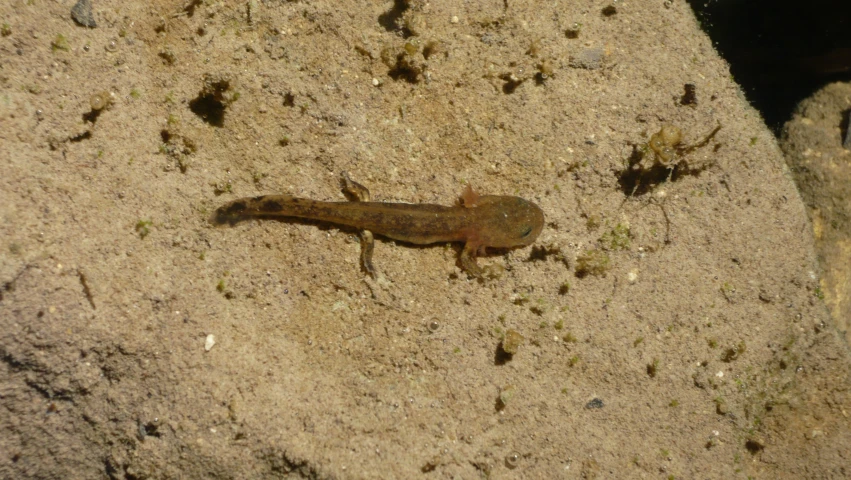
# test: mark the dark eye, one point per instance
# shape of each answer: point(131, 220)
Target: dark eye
point(526, 232)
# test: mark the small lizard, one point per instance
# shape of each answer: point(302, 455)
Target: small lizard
point(483, 221)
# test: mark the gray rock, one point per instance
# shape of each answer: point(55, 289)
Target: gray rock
point(81, 12)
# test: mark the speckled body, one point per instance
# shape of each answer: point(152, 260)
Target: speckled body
point(493, 221)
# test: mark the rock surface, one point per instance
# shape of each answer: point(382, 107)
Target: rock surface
point(693, 328)
point(813, 144)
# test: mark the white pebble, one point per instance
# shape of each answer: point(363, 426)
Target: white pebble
point(375, 82)
point(632, 276)
point(209, 342)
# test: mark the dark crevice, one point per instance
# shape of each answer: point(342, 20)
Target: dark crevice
point(609, 11)
point(191, 6)
point(83, 136)
point(214, 98)
point(404, 71)
point(209, 109)
point(45, 391)
point(7, 287)
point(501, 357)
point(511, 83)
point(754, 447)
point(689, 94)
point(780, 52)
point(638, 181)
point(92, 116)
point(392, 20)
point(150, 429)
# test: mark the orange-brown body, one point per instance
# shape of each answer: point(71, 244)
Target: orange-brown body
point(483, 221)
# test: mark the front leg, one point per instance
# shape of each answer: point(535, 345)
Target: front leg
point(356, 192)
point(468, 260)
point(353, 190)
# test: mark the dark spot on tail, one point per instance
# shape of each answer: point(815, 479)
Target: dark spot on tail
point(233, 209)
point(271, 206)
point(229, 213)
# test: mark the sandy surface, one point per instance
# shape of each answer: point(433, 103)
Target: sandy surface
point(700, 349)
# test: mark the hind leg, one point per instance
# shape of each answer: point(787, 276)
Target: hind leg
point(356, 192)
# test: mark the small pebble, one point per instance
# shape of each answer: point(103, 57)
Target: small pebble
point(100, 100)
point(209, 342)
point(595, 403)
point(81, 12)
point(512, 341)
point(506, 394)
point(588, 58)
point(632, 276)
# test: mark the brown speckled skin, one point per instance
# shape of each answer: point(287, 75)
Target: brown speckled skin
point(493, 221)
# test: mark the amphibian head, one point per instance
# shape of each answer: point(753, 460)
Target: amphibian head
point(506, 222)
